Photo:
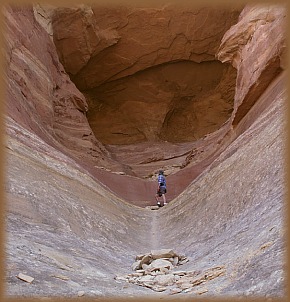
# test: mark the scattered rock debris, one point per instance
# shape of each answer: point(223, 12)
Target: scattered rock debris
point(65, 278)
point(152, 207)
point(81, 293)
point(155, 270)
point(25, 278)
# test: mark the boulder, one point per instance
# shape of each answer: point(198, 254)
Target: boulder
point(136, 265)
point(163, 253)
point(165, 280)
point(160, 263)
point(175, 290)
point(145, 260)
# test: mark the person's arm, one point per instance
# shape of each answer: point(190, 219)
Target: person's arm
point(158, 182)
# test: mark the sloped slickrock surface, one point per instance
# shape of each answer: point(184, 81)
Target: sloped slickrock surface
point(65, 229)
point(239, 211)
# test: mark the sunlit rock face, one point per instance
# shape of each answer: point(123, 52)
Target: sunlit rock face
point(150, 70)
point(256, 47)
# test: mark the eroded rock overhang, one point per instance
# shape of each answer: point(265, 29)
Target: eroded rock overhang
point(148, 73)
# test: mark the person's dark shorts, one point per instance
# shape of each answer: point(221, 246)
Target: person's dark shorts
point(161, 191)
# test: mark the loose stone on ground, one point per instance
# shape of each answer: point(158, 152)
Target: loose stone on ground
point(155, 270)
point(25, 278)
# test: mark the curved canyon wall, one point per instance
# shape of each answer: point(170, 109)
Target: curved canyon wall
point(72, 219)
point(40, 95)
point(141, 68)
point(153, 102)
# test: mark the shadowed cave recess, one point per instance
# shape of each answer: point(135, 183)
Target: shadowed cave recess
point(175, 102)
point(152, 82)
point(99, 99)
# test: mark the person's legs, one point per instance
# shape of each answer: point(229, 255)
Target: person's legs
point(164, 199)
point(162, 193)
point(157, 199)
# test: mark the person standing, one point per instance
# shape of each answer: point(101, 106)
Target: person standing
point(161, 189)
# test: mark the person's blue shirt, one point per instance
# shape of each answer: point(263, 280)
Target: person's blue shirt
point(162, 181)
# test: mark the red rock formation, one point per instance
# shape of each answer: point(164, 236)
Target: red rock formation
point(175, 102)
point(143, 77)
point(40, 95)
point(50, 105)
point(254, 46)
point(136, 38)
point(75, 225)
point(78, 37)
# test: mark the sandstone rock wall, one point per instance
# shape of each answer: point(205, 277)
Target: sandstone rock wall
point(231, 213)
point(152, 70)
point(50, 105)
point(137, 38)
point(69, 231)
point(71, 235)
point(256, 47)
point(65, 229)
point(176, 102)
point(40, 94)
